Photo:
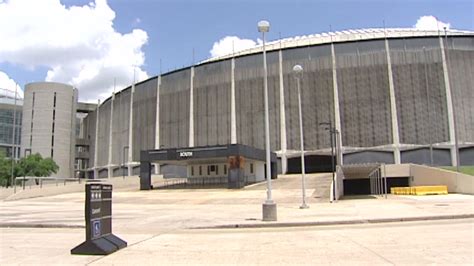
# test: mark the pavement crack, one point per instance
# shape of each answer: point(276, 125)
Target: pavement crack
point(134, 244)
point(366, 248)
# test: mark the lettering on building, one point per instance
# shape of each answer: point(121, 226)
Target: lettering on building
point(185, 154)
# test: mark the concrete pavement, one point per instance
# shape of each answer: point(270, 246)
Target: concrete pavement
point(141, 216)
point(417, 243)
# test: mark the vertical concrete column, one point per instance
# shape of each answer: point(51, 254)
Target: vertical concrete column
point(110, 170)
point(284, 159)
point(130, 132)
point(393, 107)
point(157, 122)
point(449, 104)
point(96, 146)
point(72, 147)
point(191, 109)
point(72, 134)
point(337, 113)
point(233, 119)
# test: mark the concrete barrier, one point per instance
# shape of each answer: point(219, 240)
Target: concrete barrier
point(430, 176)
point(420, 190)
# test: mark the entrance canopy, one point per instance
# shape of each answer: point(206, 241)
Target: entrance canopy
point(233, 156)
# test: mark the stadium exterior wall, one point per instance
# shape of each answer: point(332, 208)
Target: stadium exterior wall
point(391, 96)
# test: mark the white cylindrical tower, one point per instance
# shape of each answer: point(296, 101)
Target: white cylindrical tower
point(49, 124)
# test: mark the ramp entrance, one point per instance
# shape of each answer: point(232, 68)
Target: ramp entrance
point(313, 164)
point(231, 166)
point(364, 179)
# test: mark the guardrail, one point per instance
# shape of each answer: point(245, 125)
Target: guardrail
point(378, 181)
point(194, 181)
point(39, 180)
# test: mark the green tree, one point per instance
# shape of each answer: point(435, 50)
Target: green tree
point(35, 165)
point(32, 165)
point(5, 170)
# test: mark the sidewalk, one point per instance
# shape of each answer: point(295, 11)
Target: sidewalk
point(49, 226)
point(148, 211)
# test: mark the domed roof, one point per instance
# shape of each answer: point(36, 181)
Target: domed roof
point(343, 36)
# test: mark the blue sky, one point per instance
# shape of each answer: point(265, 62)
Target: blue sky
point(170, 30)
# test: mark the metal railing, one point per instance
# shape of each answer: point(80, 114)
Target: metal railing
point(378, 181)
point(189, 182)
point(39, 181)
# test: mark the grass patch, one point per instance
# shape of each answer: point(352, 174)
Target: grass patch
point(468, 170)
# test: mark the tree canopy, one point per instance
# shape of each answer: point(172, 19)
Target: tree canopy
point(32, 165)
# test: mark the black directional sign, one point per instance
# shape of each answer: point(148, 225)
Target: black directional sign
point(98, 214)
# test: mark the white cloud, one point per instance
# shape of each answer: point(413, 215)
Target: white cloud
point(431, 23)
point(230, 44)
point(8, 85)
point(78, 44)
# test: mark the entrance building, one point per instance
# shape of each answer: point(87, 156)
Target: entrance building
point(234, 164)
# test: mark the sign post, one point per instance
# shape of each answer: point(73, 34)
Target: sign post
point(98, 215)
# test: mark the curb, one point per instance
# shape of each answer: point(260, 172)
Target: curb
point(274, 224)
point(32, 225)
point(339, 222)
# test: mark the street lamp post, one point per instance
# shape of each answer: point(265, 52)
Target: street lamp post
point(269, 209)
point(332, 136)
point(13, 153)
point(298, 70)
point(125, 148)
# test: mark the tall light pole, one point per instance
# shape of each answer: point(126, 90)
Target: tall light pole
point(269, 209)
point(332, 138)
point(125, 148)
point(13, 140)
point(298, 71)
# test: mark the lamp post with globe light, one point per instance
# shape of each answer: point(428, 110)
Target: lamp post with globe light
point(269, 208)
point(298, 71)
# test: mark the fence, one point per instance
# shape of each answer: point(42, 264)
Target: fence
point(39, 181)
point(378, 181)
point(195, 182)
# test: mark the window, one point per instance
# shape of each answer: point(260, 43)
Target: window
point(192, 170)
point(53, 125)
point(32, 118)
point(251, 168)
point(208, 170)
point(200, 170)
point(225, 169)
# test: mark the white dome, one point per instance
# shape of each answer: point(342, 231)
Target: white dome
point(342, 36)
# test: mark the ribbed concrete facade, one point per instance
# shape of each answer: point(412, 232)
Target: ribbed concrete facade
point(49, 123)
point(391, 95)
